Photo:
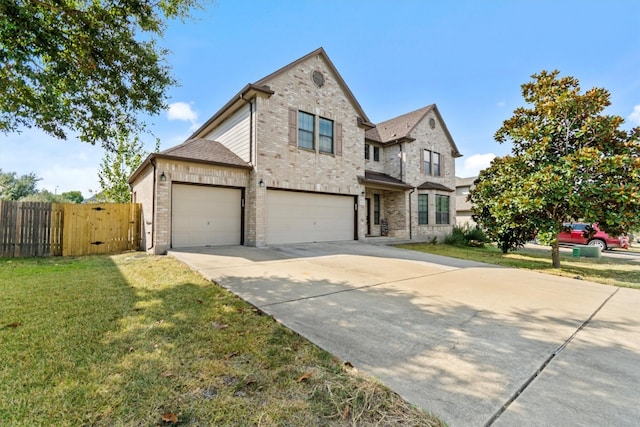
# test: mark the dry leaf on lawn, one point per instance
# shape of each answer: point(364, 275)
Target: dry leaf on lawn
point(169, 417)
point(305, 376)
point(345, 412)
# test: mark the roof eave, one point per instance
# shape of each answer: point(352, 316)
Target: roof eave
point(383, 184)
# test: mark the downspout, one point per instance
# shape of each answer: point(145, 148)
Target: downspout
point(411, 215)
point(153, 208)
point(401, 162)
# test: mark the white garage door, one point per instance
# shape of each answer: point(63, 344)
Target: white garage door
point(294, 217)
point(205, 216)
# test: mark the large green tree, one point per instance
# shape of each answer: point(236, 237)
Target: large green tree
point(569, 162)
point(85, 66)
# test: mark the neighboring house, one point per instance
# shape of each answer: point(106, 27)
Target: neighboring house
point(294, 158)
point(463, 206)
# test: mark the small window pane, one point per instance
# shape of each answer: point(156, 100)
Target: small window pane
point(427, 162)
point(306, 130)
point(326, 135)
point(436, 164)
point(423, 209)
point(376, 154)
point(366, 151)
point(442, 209)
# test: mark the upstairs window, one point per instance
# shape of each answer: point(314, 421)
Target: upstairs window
point(427, 162)
point(376, 154)
point(436, 164)
point(431, 163)
point(306, 130)
point(326, 136)
point(366, 151)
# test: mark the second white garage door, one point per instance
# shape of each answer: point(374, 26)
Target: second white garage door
point(295, 217)
point(205, 216)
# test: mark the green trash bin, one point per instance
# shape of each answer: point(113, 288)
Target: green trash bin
point(576, 252)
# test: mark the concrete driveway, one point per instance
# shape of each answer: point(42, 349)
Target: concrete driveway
point(476, 344)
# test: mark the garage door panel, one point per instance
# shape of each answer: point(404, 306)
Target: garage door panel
point(294, 217)
point(205, 216)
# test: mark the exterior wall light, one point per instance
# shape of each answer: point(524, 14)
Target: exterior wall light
point(163, 177)
point(261, 183)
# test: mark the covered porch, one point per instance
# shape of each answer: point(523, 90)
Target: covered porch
point(386, 206)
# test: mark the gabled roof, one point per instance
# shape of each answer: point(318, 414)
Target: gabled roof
point(261, 88)
point(399, 128)
point(363, 119)
point(428, 185)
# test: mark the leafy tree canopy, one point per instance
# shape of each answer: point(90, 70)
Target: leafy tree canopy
point(13, 187)
point(569, 162)
point(87, 66)
point(116, 168)
point(47, 196)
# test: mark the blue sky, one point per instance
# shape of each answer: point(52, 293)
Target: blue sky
point(468, 57)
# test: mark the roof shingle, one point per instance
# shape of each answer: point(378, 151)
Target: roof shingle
point(398, 127)
point(205, 150)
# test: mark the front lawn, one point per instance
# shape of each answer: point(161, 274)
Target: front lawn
point(137, 340)
point(610, 271)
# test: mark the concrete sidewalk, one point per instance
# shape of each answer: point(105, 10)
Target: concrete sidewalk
point(464, 340)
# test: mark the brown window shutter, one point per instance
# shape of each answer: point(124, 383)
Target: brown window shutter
point(421, 160)
point(293, 126)
point(338, 131)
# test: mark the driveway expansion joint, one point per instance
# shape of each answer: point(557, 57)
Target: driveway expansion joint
point(542, 367)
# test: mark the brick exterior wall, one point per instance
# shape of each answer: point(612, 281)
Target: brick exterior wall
point(182, 172)
point(285, 166)
point(142, 192)
point(435, 140)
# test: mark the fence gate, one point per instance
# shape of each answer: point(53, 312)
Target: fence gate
point(100, 228)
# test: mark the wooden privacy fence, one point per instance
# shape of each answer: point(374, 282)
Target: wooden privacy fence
point(30, 229)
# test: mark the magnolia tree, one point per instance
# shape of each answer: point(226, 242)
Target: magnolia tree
point(569, 162)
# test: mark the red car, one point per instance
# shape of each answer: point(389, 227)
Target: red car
point(578, 235)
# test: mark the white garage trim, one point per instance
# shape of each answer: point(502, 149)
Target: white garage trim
point(206, 216)
point(297, 217)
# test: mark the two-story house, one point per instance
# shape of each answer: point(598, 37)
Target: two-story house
point(294, 158)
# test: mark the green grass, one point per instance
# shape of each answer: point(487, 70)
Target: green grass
point(122, 340)
point(609, 271)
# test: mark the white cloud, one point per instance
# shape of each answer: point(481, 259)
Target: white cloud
point(635, 116)
point(182, 111)
point(501, 104)
point(472, 165)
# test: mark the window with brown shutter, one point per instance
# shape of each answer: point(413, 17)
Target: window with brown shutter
point(338, 139)
point(293, 127)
